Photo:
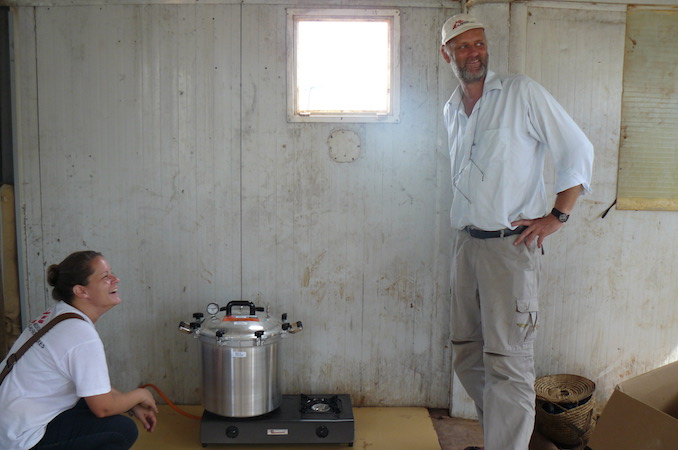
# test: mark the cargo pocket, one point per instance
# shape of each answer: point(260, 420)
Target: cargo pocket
point(527, 310)
point(527, 313)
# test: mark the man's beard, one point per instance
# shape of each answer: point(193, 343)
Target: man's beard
point(466, 75)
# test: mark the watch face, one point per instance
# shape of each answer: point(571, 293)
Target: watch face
point(561, 216)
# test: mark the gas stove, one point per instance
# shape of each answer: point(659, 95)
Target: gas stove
point(300, 419)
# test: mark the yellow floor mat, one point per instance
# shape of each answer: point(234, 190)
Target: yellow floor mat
point(375, 429)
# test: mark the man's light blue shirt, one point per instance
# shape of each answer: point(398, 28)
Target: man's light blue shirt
point(497, 154)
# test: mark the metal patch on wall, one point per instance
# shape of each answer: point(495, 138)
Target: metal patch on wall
point(344, 145)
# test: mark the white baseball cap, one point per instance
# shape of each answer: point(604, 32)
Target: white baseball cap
point(458, 24)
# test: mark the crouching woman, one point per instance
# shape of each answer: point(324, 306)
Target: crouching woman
point(58, 394)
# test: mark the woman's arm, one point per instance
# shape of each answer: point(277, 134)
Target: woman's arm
point(116, 402)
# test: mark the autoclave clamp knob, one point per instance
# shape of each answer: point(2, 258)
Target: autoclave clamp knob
point(198, 321)
point(192, 326)
point(184, 327)
point(259, 334)
point(291, 329)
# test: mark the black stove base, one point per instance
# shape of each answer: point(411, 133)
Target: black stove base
point(291, 423)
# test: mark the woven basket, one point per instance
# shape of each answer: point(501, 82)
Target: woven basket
point(565, 406)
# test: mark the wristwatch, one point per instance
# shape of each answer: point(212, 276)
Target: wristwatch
point(561, 216)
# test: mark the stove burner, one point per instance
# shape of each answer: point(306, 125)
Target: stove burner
point(320, 405)
point(300, 419)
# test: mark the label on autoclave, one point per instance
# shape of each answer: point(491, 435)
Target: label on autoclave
point(237, 354)
point(240, 320)
point(277, 432)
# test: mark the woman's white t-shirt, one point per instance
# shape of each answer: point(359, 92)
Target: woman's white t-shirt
point(66, 364)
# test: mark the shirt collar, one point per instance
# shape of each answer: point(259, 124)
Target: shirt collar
point(492, 82)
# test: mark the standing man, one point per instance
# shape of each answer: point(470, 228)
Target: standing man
point(500, 129)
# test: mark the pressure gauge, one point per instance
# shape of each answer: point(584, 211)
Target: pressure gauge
point(212, 309)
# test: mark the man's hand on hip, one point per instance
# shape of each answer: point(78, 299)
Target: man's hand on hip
point(537, 229)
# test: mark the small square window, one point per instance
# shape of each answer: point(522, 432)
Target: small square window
point(343, 65)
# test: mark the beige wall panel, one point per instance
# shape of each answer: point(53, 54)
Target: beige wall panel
point(149, 133)
point(353, 250)
point(27, 160)
point(138, 157)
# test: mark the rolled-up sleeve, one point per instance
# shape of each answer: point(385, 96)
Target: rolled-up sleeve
point(557, 132)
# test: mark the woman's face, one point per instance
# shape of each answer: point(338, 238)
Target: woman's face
point(102, 285)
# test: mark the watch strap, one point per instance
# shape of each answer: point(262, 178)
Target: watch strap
point(561, 216)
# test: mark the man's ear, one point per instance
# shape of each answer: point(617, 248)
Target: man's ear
point(446, 57)
point(80, 291)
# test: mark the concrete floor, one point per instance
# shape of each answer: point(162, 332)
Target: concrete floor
point(454, 433)
point(457, 434)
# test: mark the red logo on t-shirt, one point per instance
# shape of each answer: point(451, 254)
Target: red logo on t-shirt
point(42, 318)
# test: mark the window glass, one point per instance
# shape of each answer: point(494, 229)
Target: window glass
point(342, 65)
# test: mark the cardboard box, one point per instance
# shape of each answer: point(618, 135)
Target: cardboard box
point(642, 414)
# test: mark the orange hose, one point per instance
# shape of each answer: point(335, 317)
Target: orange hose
point(169, 402)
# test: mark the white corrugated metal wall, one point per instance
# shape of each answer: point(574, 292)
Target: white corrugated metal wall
point(157, 134)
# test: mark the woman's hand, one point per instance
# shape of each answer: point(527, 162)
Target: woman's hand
point(146, 416)
point(147, 400)
point(145, 410)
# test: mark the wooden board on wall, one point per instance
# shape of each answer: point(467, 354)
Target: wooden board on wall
point(10, 310)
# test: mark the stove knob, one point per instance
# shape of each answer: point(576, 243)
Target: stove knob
point(232, 432)
point(322, 431)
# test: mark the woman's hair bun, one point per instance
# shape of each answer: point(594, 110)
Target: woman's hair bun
point(72, 271)
point(53, 274)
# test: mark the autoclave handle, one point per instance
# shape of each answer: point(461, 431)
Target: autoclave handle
point(253, 309)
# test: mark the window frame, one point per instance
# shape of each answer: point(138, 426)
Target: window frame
point(392, 16)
